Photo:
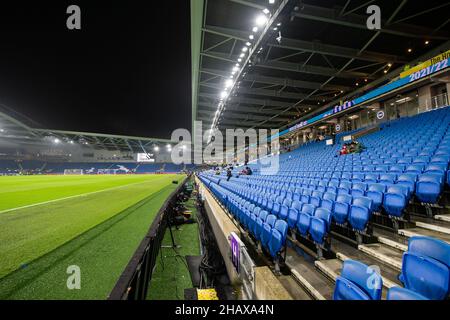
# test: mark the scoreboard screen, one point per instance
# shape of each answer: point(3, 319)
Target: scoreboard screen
point(145, 157)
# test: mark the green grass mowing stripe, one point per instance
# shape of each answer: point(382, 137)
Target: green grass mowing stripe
point(67, 198)
point(19, 191)
point(102, 253)
point(29, 233)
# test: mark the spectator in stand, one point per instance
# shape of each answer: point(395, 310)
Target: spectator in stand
point(344, 150)
point(249, 171)
point(229, 174)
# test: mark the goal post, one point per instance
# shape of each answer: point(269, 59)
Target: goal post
point(73, 172)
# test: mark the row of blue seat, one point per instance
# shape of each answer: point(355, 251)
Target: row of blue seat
point(425, 275)
point(266, 229)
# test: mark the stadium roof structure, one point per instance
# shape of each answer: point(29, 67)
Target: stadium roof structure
point(268, 64)
point(26, 132)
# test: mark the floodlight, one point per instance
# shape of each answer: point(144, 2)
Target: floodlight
point(261, 20)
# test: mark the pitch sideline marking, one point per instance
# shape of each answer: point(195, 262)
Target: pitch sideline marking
point(70, 197)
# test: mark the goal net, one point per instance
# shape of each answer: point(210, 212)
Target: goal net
point(73, 172)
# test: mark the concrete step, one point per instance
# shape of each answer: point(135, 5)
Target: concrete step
point(296, 291)
point(433, 227)
point(393, 244)
point(443, 217)
point(424, 232)
point(384, 253)
point(308, 277)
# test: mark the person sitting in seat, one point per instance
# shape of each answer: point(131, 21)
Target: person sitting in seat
point(249, 171)
point(229, 174)
point(344, 150)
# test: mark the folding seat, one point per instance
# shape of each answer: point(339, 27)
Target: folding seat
point(328, 200)
point(358, 189)
point(421, 159)
point(304, 219)
point(345, 184)
point(358, 177)
point(357, 282)
point(408, 180)
point(282, 227)
point(267, 229)
point(296, 196)
point(346, 175)
point(428, 188)
point(414, 168)
point(442, 159)
point(371, 177)
point(398, 293)
point(368, 168)
point(360, 212)
point(388, 178)
point(333, 183)
point(380, 168)
point(443, 152)
point(321, 189)
point(270, 202)
point(315, 201)
point(275, 243)
point(404, 161)
point(395, 200)
point(277, 206)
point(307, 192)
point(332, 189)
point(341, 208)
point(343, 190)
point(376, 193)
point(397, 168)
point(293, 213)
point(320, 225)
point(425, 267)
point(436, 168)
point(305, 199)
point(284, 210)
point(259, 224)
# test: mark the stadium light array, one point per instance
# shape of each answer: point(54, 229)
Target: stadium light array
point(261, 20)
point(56, 141)
point(156, 149)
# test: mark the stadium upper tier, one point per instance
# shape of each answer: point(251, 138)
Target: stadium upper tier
point(42, 167)
point(405, 161)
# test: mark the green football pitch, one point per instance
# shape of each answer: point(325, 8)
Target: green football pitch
point(48, 223)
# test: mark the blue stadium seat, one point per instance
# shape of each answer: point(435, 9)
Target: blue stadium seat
point(267, 229)
point(304, 220)
point(293, 214)
point(425, 267)
point(357, 282)
point(275, 243)
point(320, 225)
point(428, 188)
point(376, 192)
point(395, 200)
point(398, 293)
point(341, 208)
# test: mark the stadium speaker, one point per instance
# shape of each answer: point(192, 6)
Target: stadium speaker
point(175, 182)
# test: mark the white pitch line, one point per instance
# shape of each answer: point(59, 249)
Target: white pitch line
point(71, 197)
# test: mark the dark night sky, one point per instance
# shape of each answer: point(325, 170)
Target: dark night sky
point(126, 72)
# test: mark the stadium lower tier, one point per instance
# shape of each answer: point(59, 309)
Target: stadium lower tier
point(318, 194)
